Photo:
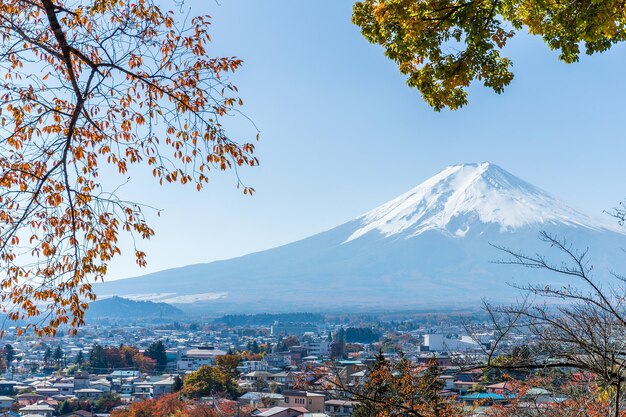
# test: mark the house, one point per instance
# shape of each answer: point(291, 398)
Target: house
point(278, 360)
point(29, 398)
point(357, 379)
point(7, 387)
point(101, 384)
point(124, 374)
point(312, 401)
point(287, 379)
point(463, 387)
point(88, 393)
point(249, 366)
point(64, 388)
point(447, 380)
point(39, 409)
point(340, 408)
point(163, 387)
point(142, 390)
point(258, 376)
point(263, 399)
point(47, 391)
point(281, 412)
point(79, 413)
point(500, 388)
point(485, 398)
point(6, 402)
point(126, 389)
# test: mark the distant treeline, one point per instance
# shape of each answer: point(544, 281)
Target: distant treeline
point(358, 335)
point(267, 319)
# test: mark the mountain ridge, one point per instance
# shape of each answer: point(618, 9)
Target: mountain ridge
point(429, 245)
point(119, 307)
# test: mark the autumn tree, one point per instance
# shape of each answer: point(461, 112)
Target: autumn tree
point(442, 46)
point(228, 364)
point(541, 397)
point(402, 388)
point(89, 90)
point(209, 381)
point(165, 406)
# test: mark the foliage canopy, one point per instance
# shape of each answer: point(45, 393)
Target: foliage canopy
point(444, 45)
point(90, 88)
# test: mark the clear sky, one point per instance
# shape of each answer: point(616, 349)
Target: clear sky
point(341, 132)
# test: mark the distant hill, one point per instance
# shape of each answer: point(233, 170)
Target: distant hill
point(118, 307)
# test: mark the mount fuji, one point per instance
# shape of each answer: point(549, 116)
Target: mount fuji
point(431, 246)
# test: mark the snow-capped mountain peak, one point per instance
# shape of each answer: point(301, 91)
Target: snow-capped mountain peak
point(469, 196)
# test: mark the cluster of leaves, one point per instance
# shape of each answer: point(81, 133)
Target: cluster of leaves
point(173, 405)
point(211, 381)
point(55, 357)
point(90, 88)
point(576, 397)
point(228, 364)
point(156, 351)
point(361, 335)
point(105, 359)
point(104, 404)
point(444, 45)
point(401, 388)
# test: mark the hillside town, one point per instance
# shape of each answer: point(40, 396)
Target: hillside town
point(285, 369)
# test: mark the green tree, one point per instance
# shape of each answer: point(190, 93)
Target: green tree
point(57, 355)
point(80, 358)
point(9, 353)
point(442, 46)
point(67, 406)
point(209, 380)
point(47, 355)
point(156, 351)
point(178, 384)
point(106, 402)
point(97, 358)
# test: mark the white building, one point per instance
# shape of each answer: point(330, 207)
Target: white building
point(193, 359)
point(434, 342)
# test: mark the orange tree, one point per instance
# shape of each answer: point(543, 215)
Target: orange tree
point(403, 389)
point(540, 396)
point(91, 87)
point(165, 406)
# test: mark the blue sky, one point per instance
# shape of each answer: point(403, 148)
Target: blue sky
point(342, 133)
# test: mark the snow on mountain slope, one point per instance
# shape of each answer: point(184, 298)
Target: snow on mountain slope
point(460, 195)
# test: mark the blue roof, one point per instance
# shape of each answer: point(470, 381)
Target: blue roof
point(486, 396)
